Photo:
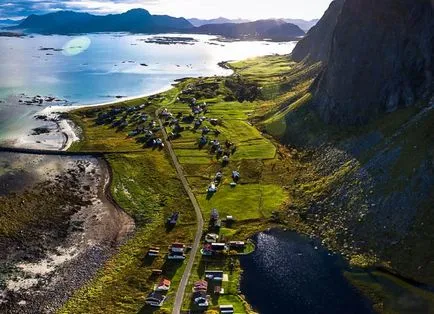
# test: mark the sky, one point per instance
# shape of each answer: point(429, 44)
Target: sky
point(204, 9)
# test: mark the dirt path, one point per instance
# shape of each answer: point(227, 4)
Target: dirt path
point(179, 297)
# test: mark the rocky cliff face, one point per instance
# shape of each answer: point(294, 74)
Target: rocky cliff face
point(316, 45)
point(381, 58)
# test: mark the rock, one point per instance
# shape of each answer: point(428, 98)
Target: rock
point(381, 58)
point(315, 46)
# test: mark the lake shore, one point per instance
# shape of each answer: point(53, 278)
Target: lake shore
point(71, 244)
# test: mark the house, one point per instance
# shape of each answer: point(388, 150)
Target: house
point(211, 237)
point(235, 176)
point(230, 219)
point(201, 285)
point(176, 256)
point(218, 176)
point(216, 275)
point(214, 121)
point(212, 188)
point(177, 247)
point(203, 141)
point(156, 272)
point(155, 299)
point(218, 246)
point(163, 285)
point(226, 309)
point(214, 214)
point(200, 298)
point(237, 244)
point(154, 251)
point(172, 220)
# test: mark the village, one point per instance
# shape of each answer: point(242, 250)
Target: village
point(229, 166)
point(214, 245)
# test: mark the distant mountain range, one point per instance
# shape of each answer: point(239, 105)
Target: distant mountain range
point(141, 21)
point(276, 30)
point(303, 24)
point(220, 20)
point(134, 21)
point(10, 22)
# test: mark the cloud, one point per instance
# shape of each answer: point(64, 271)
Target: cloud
point(250, 9)
point(11, 8)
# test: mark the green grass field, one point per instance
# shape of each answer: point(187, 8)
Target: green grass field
point(145, 183)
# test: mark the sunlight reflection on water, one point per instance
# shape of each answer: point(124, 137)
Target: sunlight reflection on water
point(76, 46)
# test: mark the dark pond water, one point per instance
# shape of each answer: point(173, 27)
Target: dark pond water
point(289, 273)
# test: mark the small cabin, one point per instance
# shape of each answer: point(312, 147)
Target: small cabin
point(154, 251)
point(218, 246)
point(226, 309)
point(172, 220)
point(214, 214)
point(200, 298)
point(211, 237)
point(237, 244)
point(216, 275)
point(201, 285)
point(163, 285)
point(177, 247)
point(155, 299)
point(156, 272)
point(176, 256)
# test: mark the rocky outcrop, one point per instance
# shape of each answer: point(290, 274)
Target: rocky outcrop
point(316, 45)
point(381, 58)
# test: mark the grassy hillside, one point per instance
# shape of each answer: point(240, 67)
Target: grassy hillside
point(364, 191)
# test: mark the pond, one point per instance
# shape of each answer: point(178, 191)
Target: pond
point(290, 273)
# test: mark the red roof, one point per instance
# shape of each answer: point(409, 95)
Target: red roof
point(165, 282)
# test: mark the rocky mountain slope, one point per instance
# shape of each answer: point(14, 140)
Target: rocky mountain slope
point(381, 58)
point(316, 45)
point(364, 134)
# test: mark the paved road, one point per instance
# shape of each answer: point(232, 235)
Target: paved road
point(177, 306)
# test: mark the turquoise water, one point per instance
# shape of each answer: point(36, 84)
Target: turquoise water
point(93, 69)
point(111, 64)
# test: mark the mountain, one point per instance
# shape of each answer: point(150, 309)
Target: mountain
point(220, 20)
point(364, 126)
point(276, 30)
point(9, 22)
point(384, 65)
point(315, 46)
point(303, 24)
point(134, 21)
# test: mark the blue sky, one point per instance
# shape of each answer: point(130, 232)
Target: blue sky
point(249, 9)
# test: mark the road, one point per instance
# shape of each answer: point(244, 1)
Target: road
point(179, 297)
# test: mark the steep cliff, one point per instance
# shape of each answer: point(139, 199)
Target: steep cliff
point(381, 58)
point(315, 46)
point(364, 131)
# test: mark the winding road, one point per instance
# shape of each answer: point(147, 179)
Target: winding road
point(179, 297)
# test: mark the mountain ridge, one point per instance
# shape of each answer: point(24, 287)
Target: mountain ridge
point(71, 22)
point(277, 30)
